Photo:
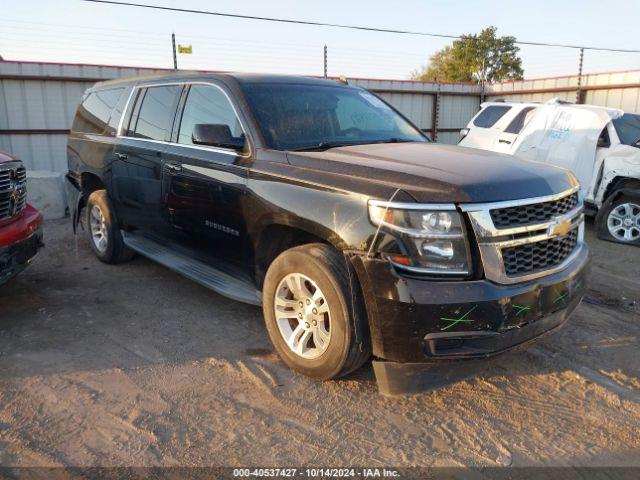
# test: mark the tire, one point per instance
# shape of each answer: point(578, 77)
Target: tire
point(108, 246)
point(341, 312)
point(622, 212)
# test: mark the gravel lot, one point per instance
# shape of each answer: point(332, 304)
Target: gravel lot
point(133, 365)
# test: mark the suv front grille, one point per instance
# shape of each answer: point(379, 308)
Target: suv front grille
point(521, 240)
point(538, 256)
point(531, 214)
point(13, 191)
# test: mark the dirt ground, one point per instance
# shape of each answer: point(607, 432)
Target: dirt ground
point(133, 365)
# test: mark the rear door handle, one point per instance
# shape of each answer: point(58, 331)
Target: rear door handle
point(173, 167)
point(505, 141)
point(121, 156)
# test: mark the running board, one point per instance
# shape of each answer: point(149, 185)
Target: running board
point(205, 275)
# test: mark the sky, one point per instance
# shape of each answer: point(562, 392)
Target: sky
point(73, 31)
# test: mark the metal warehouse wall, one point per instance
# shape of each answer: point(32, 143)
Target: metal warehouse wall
point(37, 105)
point(614, 89)
point(38, 102)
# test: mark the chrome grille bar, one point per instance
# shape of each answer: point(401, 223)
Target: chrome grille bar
point(492, 241)
point(13, 193)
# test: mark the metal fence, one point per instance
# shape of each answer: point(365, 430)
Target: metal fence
point(38, 102)
point(611, 89)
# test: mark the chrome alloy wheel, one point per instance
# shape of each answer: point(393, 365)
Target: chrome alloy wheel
point(623, 222)
point(303, 316)
point(98, 229)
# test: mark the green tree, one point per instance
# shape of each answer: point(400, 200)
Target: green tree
point(474, 58)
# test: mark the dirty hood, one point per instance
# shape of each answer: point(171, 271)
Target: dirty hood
point(432, 172)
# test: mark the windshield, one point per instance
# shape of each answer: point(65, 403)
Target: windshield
point(307, 117)
point(628, 129)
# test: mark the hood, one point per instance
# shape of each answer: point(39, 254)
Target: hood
point(438, 173)
point(5, 157)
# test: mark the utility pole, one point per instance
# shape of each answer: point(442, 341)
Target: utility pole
point(435, 113)
point(482, 81)
point(325, 61)
point(579, 92)
point(173, 46)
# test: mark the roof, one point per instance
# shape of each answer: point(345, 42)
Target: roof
point(240, 78)
point(612, 112)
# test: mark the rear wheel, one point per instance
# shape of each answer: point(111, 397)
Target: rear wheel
point(104, 234)
point(619, 220)
point(314, 313)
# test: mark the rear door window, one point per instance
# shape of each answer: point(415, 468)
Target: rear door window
point(154, 117)
point(518, 123)
point(95, 110)
point(488, 117)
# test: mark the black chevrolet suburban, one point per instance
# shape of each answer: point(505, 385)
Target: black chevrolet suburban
point(322, 203)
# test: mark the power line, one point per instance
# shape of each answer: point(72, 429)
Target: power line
point(338, 25)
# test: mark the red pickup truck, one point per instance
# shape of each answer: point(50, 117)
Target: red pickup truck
point(20, 223)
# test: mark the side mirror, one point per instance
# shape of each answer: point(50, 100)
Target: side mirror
point(216, 135)
point(463, 133)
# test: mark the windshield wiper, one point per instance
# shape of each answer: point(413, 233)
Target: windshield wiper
point(323, 146)
point(394, 140)
point(326, 145)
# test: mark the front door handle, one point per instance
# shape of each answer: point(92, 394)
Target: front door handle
point(173, 167)
point(505, 141)
point(121, 156)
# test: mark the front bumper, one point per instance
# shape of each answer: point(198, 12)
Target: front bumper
point(418, 321)
point(20, 242)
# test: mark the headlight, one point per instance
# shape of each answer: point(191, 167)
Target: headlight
point(433, 236)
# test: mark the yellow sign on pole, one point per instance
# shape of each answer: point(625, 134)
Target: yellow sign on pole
point(185, 49)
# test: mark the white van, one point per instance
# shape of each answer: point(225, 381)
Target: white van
point(601, 146)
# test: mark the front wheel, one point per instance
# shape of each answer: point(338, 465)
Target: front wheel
point(619, 220)
point(314, 313)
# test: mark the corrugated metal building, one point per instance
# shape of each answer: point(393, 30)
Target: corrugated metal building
point(37, 105)
point(38, 102)
point(612, 89)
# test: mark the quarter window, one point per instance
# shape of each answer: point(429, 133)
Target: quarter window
point(604, 141)
point(157, 111)
point(488, 117)
point(94, 112)
point(207, 105)
point(518, 123)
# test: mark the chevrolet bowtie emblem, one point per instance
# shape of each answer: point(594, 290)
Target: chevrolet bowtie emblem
point(559, 228)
